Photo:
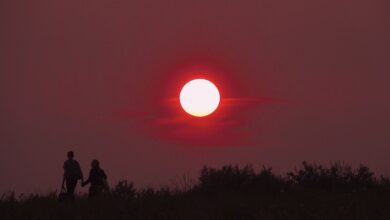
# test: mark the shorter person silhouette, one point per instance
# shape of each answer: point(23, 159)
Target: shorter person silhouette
point(72, 173)
point(97, 178)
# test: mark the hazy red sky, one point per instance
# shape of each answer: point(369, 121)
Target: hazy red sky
point(306, 80)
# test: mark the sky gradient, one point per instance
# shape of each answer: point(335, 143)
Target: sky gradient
point(299, 80)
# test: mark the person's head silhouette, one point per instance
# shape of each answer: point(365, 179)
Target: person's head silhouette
point(70, 155)
point(95, 164)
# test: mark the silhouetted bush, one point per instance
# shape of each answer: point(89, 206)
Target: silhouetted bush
point(183, 183)
point(227, 178)
point(234, 178)
point(337, 176)
point(124, 190)
point(266, 180)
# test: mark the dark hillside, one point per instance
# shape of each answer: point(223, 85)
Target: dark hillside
point(312, 191)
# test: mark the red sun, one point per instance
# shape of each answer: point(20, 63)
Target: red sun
point(199, 97)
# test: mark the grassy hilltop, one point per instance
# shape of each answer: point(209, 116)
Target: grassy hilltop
point(231, 192)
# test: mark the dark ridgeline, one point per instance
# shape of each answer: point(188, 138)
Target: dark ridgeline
point(311, 191)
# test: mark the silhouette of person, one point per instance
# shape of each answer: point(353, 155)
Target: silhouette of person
point(97, 178)
point(72, 173)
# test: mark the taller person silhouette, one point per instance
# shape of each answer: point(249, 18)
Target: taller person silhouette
point(72, 173)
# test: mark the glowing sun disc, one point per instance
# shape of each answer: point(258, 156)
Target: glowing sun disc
point(199, 97)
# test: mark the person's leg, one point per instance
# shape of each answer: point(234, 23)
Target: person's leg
point(95, 190)
point(71, 186)
point(91, 191)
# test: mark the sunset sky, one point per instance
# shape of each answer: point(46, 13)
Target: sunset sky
point(299, 80)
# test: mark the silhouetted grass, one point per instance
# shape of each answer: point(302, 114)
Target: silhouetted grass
point(311, 191)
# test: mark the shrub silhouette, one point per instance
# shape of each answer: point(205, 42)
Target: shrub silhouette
point(338, 176)
point(234, 178)
point(227, 178)
point(124, 190)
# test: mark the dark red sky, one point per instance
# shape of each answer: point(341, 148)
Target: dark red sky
point(301, 80)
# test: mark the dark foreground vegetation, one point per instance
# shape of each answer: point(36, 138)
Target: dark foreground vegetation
point(309, 192)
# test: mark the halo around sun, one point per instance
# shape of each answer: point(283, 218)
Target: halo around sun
point(199, 97)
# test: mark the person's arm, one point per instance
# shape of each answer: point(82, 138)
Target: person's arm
point(104, 175)
point(63, 182)
point(81, 172)
point(63, 179)
point(105, 183)
point(88, 180)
